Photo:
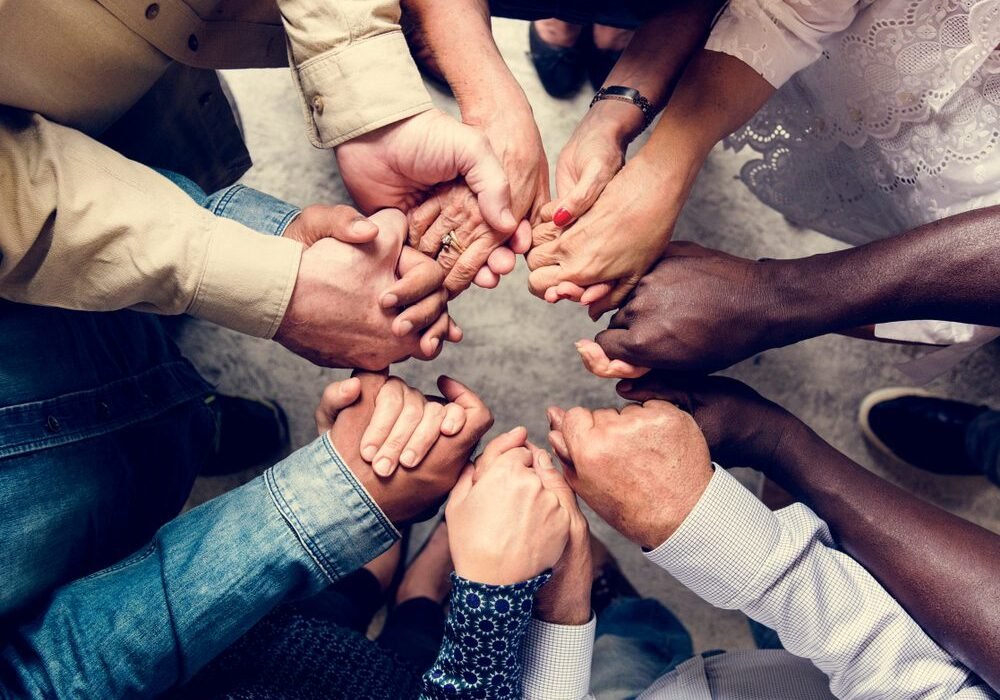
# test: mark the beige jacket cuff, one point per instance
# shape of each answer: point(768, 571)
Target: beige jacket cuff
point(354, 90)
point(247, 279)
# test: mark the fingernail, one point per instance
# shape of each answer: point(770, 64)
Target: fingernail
point(448, 427)
point(389, 301)
point(561, 217)
point(434, 342)
point(405, 327)
point(625, 386)
point(507, 218)
point(363, 227)
point(368, 453)
point(383, 467)
point(408, 458)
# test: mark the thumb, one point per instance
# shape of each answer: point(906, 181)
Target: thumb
point(581, 197)
point(484, 175)
point(336, 397)
point(391, 234)
point(341, 222)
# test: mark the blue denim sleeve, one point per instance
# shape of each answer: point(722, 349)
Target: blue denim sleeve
point(480, 656)
point(151, 621)
point(250, 207)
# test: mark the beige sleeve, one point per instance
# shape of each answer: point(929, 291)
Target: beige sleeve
point(82, 227)
point(352, 67)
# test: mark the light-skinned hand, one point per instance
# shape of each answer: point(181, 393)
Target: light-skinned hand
point(642, 469)
point(504, 525)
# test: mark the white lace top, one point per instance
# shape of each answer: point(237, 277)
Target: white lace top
point(887, 114)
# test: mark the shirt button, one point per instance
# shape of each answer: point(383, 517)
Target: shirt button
point(193, 42)
point(318, 104)
point(152, 11)
point(52, 423)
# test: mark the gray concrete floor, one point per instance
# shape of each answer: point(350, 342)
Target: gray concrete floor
point(518, 352)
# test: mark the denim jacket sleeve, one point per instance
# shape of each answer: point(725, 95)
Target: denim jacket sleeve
point(151, 621)
point(480, 656)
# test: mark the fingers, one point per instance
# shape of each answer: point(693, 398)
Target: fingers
point(424, 435)
point(478, 418)
point(557, 416)
point(388, 405)
point(420, 219)
point(342, 222)
point(391, 236)
point(419, 276)
point(593, 179)
point(595, 292)
point(336, 397)
point(613, 300)
point(552, 479)
point(544, 278)
point(564, 290)
point(453, 420)
point(431, 342)
point(502, 260)
point(599, 364)
point(469, 263)
point(616, 343)
point(545, 254)
point(520, 242)
point(409, 417)
point(510, 440)
point(486, 278)
point(575, 425)
point(653, 387)
point(485, 176)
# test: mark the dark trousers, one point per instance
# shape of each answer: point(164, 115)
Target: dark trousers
point(982, 442)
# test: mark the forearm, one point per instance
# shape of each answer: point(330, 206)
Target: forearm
point(82, 227)
point(652, 65)
point(715, 95)
point(942, 569)
point(946, 270)
point(152, 620)
point(459, 38)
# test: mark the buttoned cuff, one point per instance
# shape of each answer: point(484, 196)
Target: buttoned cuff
point(557, 660)
point(247, 279)
point(722, 545)
point(367, 85)
point(331, 513)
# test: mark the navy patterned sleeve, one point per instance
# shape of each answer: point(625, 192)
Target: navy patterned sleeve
point(481, 653)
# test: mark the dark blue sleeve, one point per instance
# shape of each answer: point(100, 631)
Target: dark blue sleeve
point(481, 653)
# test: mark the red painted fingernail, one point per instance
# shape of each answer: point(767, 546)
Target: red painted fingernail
point(561, 217)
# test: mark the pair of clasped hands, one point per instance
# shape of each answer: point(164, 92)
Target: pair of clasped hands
point(511, 514)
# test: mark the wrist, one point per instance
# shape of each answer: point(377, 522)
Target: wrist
point(615, 120)
point(490, 94)
point(571, 614)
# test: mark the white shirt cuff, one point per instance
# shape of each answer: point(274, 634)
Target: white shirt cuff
point(722, 545)
point(557, 660)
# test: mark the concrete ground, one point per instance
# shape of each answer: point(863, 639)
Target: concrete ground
point(518, 352)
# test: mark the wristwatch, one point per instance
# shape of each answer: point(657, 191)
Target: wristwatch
point(626, 94)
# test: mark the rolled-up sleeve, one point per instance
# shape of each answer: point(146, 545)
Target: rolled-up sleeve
point(778, 38)
point(352, 66)
point(82, 227)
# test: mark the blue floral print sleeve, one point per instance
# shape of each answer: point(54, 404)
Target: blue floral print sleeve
point(480, 655)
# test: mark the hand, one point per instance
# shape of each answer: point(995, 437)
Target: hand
point(486, 254)
point(404, 426)
point(479, 255)
point(743, 429)
point(565, 598)
point(350, 308)
point(593, 155)
point(408, 494)
point(702, 310)
point(504, 525)
point(340, 221)
point(615, 242)
point(397, 165)
point(642, 469)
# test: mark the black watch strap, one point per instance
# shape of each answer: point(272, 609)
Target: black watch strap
point(626, 94)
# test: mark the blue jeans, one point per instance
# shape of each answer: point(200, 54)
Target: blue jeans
point(103, 427)
point(982, 442)
point(637, 641)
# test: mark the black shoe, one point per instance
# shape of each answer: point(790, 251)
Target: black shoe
point(248, 433)
point(600, 62)
point(560, 68)
point(920, 429)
